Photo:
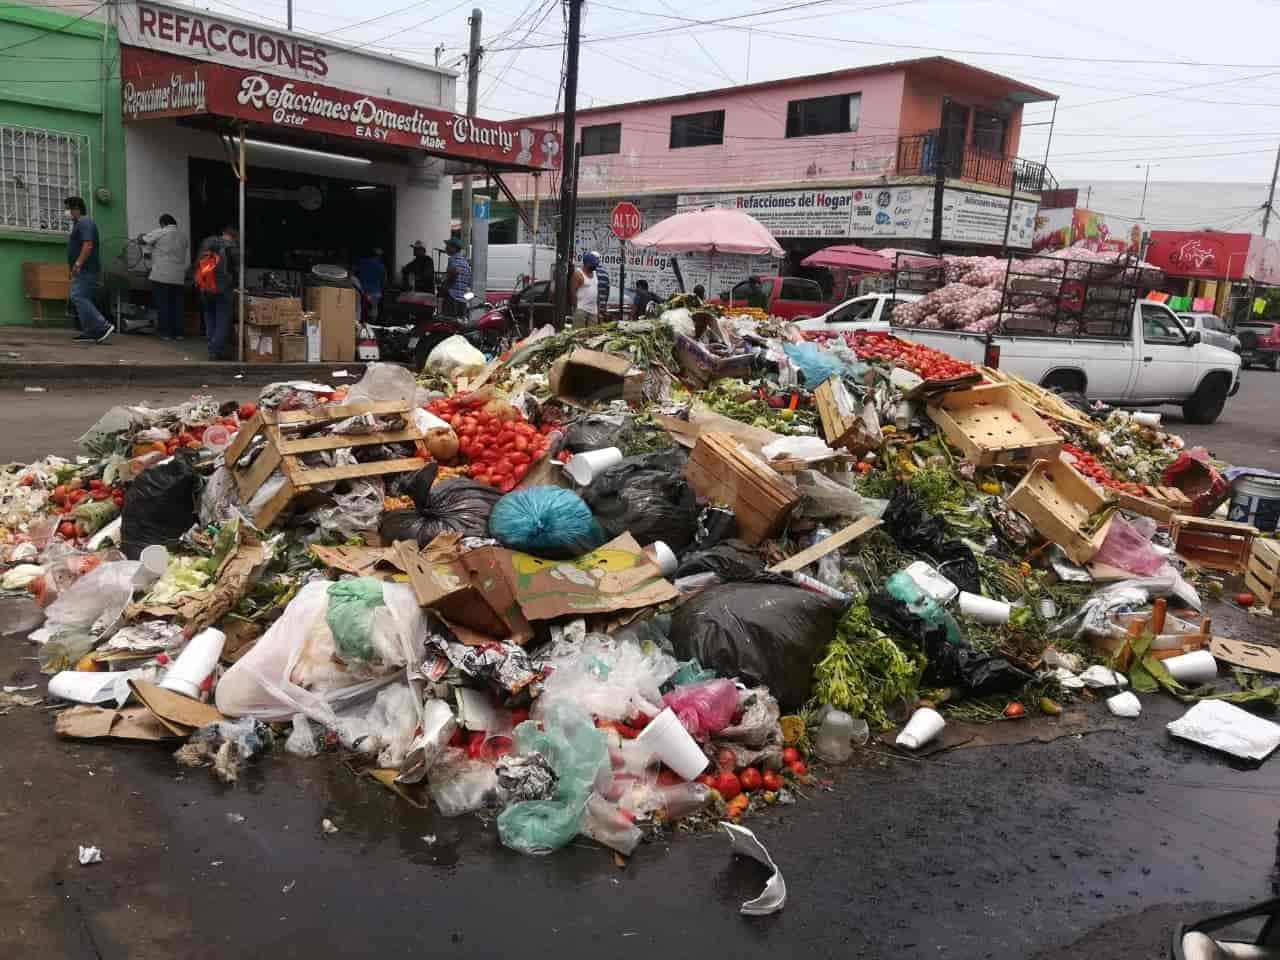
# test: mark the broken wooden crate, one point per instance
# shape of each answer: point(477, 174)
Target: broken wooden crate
point(720, 470)
point(1212, 544)
point(284, 447)
point(1059, 502)
point(992, 425)
point(1262, 577)
point(1158, 503)
point(838, 415)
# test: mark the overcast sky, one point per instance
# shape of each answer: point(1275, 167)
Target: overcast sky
point(1209, 112)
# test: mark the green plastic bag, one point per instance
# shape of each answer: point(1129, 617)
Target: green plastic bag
point(902, 587)
point(576, 751)
point(352, 604)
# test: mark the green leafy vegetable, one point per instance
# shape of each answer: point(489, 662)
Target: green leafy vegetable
point(864, 672)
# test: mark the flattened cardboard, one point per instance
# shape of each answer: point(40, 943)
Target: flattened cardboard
point(181, 715)
point(360, 561)
point(584, 377)
point(203, 608)
point(447, 582)
point(1240, 653)
point(86, 722)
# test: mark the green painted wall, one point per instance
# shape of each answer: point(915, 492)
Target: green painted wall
point(54, 82)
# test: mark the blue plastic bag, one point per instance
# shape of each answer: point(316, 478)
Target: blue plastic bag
point(815, 363)
point(547, 522)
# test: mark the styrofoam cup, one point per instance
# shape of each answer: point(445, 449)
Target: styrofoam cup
point(83, 686)
point(155, 559)
point(983, 609)
point(195, 663)
point(671, 743)
point(663, 556)
point(925, 724)
point(584, 467)
point(1195, 667)
point(1147, 418)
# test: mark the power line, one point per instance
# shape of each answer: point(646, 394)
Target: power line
point(49, 33)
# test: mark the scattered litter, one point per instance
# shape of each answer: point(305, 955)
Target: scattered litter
point(1225, 727)
point(774, 896)
point(34, 389)
point(88, 855)
point(328, 826)
point(235, 818)
point(289, 886)
point(1125, 704)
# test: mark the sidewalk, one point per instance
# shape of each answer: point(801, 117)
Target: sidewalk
point(32, 356)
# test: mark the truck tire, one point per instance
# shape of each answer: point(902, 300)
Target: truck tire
point(1205, 405)
point(1064, 381)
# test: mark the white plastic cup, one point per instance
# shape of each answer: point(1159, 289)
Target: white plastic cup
point(983, 609)
point(195, 663)
point(1147, 418)
point(663, 556)
point(925, 724)
point(155, 559)
point(671, 743)
point(1196, 667)
point(585, 467)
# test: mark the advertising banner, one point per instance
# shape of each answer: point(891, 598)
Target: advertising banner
point(784, 213)
point(970, 217)
point(893, 212)
point(1197, 253)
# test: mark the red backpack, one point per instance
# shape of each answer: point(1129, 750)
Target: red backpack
point(206, 272)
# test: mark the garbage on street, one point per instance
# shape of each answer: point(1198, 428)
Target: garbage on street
point(628, 575)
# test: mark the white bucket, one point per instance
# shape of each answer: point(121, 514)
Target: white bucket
point(663, 556)
point(671, 743)
point(1196, 667)
point(983, 609)
point(925, 724)
point(1256, 501)
point(195, 663)
point(584, 467)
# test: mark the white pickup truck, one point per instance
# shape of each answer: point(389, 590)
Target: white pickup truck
point(1160, 362)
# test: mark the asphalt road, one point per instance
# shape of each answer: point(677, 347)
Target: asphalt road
point(1091, 845)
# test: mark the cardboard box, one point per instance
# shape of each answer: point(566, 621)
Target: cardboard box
point(293, 347)
point(46, 281)
point(287, 314)
point(722, 471)
point(261, 344)
point(586, 376)
point(312, 332)
point(335, 307)
point(457, 588)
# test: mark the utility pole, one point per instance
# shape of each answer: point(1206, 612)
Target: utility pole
point(1271, 197)
point(1088, 195)
point(473, 91)
point(289, 8)
point(568, 163)
point(1145, 180)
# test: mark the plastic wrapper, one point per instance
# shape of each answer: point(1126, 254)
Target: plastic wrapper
point(159, 506)
point(1095, 616)
point(503, 664)
point(647, 497)
point(813, 362)
point(729, 560)
point(757, 727)
point(302, 741)
point(611, 678)
point(1127, 549)
point(577, 753)
point(454, 357)
point(525, 777)
point(604, 823)
point(353, 513)
point(547, 522)
point(765, 631)
point(226, 745)
point(704, 708)
point(451, 506)
point(293, 667)
point(459, 784)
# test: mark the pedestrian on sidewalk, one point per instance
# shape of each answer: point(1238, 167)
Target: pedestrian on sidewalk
point(216, 265)
point(86, 263)
point(169, 259)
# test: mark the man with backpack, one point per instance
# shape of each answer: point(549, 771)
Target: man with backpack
point(217, 267)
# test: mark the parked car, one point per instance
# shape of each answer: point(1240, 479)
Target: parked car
point(1213, 330)
point(1259, 343)
point(793, 298)
point(871, 311)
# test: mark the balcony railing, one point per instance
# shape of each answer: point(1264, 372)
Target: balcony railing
point(919, 156)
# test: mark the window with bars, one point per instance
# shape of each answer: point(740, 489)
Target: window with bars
point(38, 170)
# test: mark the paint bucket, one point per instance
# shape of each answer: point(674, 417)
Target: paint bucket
point(1193, 668)
point(1256, 501)
point(925, 724)
point(672, 744)
point(585, 467)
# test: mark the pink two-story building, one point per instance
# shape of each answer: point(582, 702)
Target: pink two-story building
point(853, 155)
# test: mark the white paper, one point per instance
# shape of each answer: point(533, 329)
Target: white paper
point(1224, 726)
point(809, 449)
point(1125, 705)
point(89, 855)
point(774, 895)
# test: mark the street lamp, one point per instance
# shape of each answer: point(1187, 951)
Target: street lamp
point(1145, 180)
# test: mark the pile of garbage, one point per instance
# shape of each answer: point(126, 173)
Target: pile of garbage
point(624, 576)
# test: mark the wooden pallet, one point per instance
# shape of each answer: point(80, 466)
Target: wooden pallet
point(284, 447)
point(1212, 544)
point(1262, 576)
point(720, 470)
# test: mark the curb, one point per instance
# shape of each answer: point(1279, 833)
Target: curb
point(42, 373)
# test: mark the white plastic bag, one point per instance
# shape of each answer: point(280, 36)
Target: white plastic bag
point(384, 382)
point(94, 603)
point(455, 357)
point(291, 669)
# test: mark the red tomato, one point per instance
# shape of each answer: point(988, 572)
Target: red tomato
point(751, 780)
point(96, 484)
point(798, 769)
point(100, 494)
point(707, 780)
point(790, 755)
point(507, 485)
point(728, 784)
point(247, 410)
point(67, 529)
point(771, 781)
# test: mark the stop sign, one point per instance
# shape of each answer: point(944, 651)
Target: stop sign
point(625, 221)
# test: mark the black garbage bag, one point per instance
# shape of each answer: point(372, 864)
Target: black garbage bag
point(977, 674)
point(715, 524)
point(916, 530)
point(159, 505)
point(765, 630)
point(648, 497)
point(457, 506)
point(729, 560)
point(596, 431)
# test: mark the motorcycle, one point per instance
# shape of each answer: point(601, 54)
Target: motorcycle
point(409, 326)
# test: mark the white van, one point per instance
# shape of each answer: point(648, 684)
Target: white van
point(512, 267)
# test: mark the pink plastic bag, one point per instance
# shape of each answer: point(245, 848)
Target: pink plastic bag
point(704, 708)
point(1125, 547)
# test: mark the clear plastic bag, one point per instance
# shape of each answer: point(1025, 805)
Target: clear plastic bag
point(459, 784)
point(302, 739)
point(704, 708)
point(87, 612)
point(353, 513)
point(384, 382)
point(454, 357)
point(610, 678)
point(604, 823)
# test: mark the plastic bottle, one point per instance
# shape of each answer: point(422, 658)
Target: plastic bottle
point(682, 799)
point(834, 742)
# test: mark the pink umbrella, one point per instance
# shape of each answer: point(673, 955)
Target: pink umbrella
point(849, 257)
point(710, 231)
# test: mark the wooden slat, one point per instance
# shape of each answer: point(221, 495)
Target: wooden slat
point(822, 548)
point(240, 442)
point(273, 507)
point(310, 476)
point(313, 444)
point(248, 481)
point(321, 414)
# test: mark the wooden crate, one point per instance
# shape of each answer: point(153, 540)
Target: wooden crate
point(721, 470)
point(837, 416)
point(1158, 503)
point(1058, 501)
point(992, 425)
point(283, 449)
point(1212, 544)
point(1262, 576)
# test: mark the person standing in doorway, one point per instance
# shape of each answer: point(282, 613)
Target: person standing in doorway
point(585, 291)
point(371, 271)
point(86, 263)
point(419, 274)
point(169, 259)
point(218, 262)
point(457, 279)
